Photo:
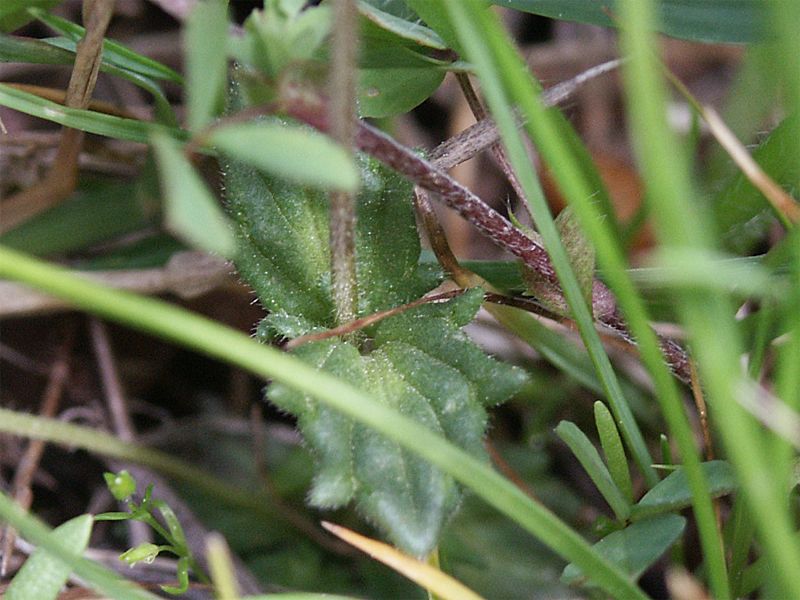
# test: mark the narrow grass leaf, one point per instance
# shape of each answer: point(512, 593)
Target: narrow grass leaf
point(191, 212)
point(590, 460)
point(613, 449)
point(205, 38)
point(26, 50)
point(292, 152)
point(220, 563)
point(114, 53)
point(218, 341)
point(43, 575)
point(86, 120)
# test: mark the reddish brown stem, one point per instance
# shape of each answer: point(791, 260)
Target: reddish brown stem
point(310, 109)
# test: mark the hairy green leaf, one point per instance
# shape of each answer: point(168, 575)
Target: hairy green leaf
point(418, 361)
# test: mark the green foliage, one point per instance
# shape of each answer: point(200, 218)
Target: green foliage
point(43, 575)
point(418, 362)
point(397, 69)
point(613, 450)
point(206, 61)
point(123, 487)
point(673, 493)
point(636, 547)
point(286, 150)
point(590, 460)
point(703, 20)
point(743, 214)
point(191, 211)
point(395, 413)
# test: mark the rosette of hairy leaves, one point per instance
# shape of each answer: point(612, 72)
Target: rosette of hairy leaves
point(419, 361)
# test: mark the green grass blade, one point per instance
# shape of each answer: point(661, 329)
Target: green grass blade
point(114, 53)
point(221, 342)
point(543, 128)
point(709, 316)
point(85, 120)
point(100, 578)
point(488, 48)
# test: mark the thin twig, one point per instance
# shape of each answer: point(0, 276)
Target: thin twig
point(23, 477)
point(342, 117)
point(484, 133)
point(63, 176)
point(112, 387)
point(358, 324)
point(117, 404)
point(497, 150)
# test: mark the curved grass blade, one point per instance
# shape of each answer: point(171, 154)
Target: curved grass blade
point(218, 341)
point(86, 120)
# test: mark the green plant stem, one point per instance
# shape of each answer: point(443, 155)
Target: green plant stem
point(708, 315)
point(477, 26)
point(99, 577)
point(215, 340)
